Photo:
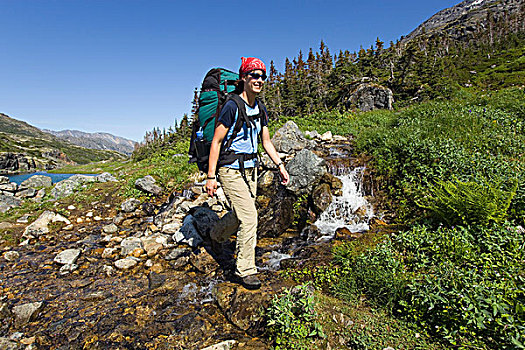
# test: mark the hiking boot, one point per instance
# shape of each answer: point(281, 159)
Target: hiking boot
point(251, 282)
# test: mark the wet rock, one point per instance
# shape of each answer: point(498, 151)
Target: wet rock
point(126, 263)
point(334, 182)
point(321, 198)
point(67, 257)
point(155, 280)
point(204, 220)
point(40, 225)
point(8, 344)
point(105, 177)
point(129, 205)
point(67, 268)
point(306, 170)
point(147, 184)
point(109, 252)
point(37, 181)
point(26, 312)
point(289, 138)
point(152, 244)
point(8, 202)
point(188, 234)
point(108, 270)
point(225, 345)
point(241, 306)
point(203, 261)
point(110, 229)
point(310, 233)
point(11, 255)
point(130, 245)
point(177, 253)
point(345, 233)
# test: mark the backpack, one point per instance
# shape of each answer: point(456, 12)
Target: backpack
point(217, 88)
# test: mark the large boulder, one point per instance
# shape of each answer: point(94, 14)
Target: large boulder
point(147, 184)
point(306, 170)
point(16, 163)
point(67, 187)
point(289, 138)
point(40, 225)
point(321, 198)
point(368, 96)
point(37, 181)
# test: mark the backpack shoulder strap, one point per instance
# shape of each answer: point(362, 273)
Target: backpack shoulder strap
point(240, 120)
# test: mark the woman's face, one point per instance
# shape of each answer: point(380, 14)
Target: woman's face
point(254, 81)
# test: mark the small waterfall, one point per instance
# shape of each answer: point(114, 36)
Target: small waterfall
point(350, 210)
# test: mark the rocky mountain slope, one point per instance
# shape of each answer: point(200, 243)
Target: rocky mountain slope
point(464, 20)
point(22, 143)
point(98, 140)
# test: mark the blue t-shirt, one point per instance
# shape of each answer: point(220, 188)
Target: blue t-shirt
point(246, 139)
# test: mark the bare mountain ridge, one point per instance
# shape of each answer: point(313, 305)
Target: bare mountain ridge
point(97, 140)
point(464, 20)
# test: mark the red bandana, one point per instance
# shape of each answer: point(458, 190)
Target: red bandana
point(251, 63)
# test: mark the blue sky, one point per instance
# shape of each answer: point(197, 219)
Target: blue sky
point(125, 67)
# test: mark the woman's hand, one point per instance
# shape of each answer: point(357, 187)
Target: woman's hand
point(211, 187)
point(285, 177)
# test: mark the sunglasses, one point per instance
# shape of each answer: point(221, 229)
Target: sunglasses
point(256, 76)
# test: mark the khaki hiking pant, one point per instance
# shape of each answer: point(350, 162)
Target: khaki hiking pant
point(242, 218)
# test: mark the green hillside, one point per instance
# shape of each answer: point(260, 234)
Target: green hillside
point(19, 137)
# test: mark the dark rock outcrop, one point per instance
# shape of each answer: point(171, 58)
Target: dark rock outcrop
point(368, 96)
point(16, 163)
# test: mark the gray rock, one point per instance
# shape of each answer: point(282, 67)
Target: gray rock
point(172, 227)
point(225, 345)
point(130, 205)
point(188, 234)
point(67, 268)
point(147, 184)
point(11, 255)
point(289, 138)
point(177, 253)
point(26, 312)
point(4, 179)
point(368, 96)
point(16, 163)
point(105, 177)
point(63, 188)
point(129, 244)
point(110, 229)
point(126, 263)
point(11, 187)
point(327, 136)
point(67, 257)
point(8, 202)
point(82, 179)
point(26, 193)
point(306, 170)
point(40, 225)
point(313, 134)
point(37, 181)
point(108, 252)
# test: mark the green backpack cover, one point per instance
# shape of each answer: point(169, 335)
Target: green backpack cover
point(217, 84)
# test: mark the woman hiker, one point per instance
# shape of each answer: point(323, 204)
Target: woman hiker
point(239, 177)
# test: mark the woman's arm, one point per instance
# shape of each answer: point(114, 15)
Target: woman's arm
point(270, 150)
point(218, 136)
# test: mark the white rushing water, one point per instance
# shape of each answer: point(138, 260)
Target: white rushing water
point(351, 210)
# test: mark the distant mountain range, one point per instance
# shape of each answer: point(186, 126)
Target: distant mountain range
point(22, 143)
point(98, 140)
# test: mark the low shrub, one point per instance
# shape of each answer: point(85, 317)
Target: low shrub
point(292, 319)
